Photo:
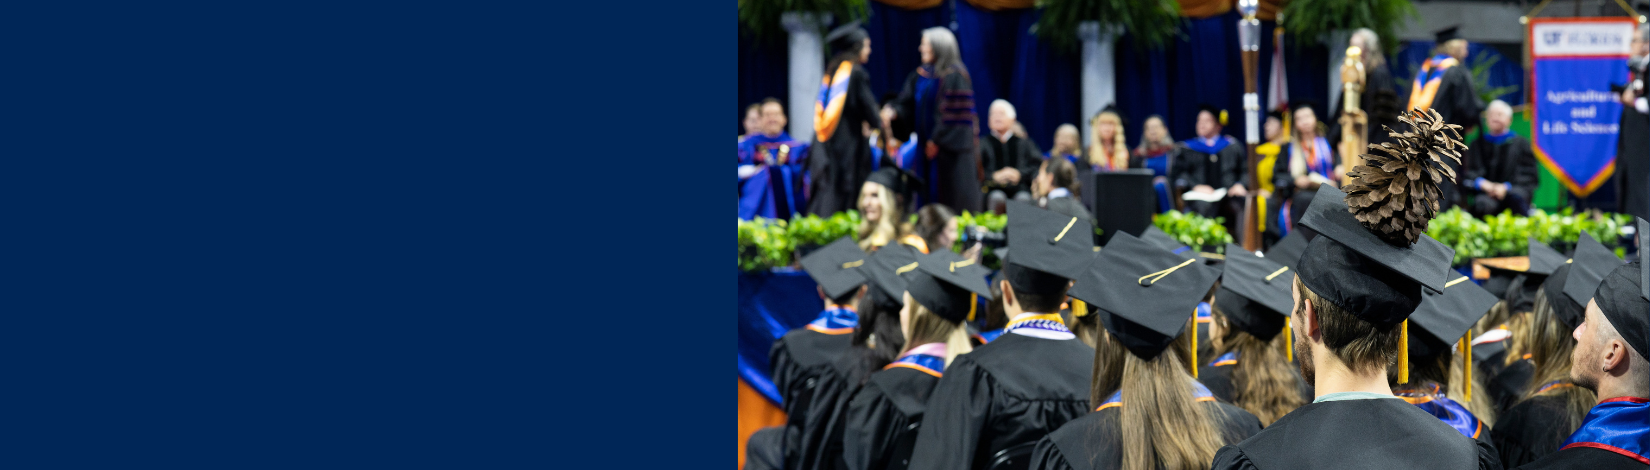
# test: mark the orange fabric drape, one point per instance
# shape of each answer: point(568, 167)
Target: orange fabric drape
point(1268, 9)
point(994, 5)
point(911, 4)
point(755, 412)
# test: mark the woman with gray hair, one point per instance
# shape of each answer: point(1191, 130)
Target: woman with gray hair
point(1379, 98)
point(938, 101)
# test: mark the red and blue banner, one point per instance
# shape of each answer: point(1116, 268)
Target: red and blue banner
point(1575, 116)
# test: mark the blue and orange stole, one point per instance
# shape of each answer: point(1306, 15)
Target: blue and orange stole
point(1620, 425)
point(1433, 401)
point(1198, 144)
point(925, 359)
point(757, 193)
point(1427, 80)
point(836, 321)
point(833, 95)
point(1228, 359)
point(1116, 399)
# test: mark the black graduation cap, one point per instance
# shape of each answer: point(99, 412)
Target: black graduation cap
point(1519, 287)
point(948, 285)
point(1444, 317)
point(1620, 298)
point(1644, 257)
point(884, 268)
point(1219, 114)
point(899, 180)
point(1157, 237)
point(1143, 294)
point(1587, 269)
point(1288, 251)
point(1447, 34)
point(845, 37)
point(1255, 293)
point(836, 267)
point(1544, 259)
point(1566, 309)
point(1055, 247)
point(1350, 267)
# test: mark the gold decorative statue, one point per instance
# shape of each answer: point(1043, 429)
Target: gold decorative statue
point(1354, 122)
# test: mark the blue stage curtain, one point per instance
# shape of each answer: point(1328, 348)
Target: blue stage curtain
point(1007, 62)
point(771, 303)
point(764, 69)
point(1505, 72)
point(895, 34)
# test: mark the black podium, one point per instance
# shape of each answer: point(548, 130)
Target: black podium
point(1123, 201)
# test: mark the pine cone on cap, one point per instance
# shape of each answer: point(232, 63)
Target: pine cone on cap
point(1395, 192)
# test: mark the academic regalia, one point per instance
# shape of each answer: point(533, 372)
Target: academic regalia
point(1017, 152)
point(1146, 322)
point(1094, 440)
point(884, 415)
point(940, 106)
point(1012, 391)
point(1633, 148)
point(1533, 428)
point(845, 103)
point(1506, 158)
point(766, 188)
point(1160, 159)
point(1217, 376)
point(1220, 163)
point(1255, 296)
point(1379, 101)
point(1433, 401)
point(1612, 436)
point(1289, 203)
point(1445, 85)
point(1507, 386)
point(805, 354)
point(1380, 281)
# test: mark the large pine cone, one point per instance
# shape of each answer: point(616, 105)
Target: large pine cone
point(1395, 192)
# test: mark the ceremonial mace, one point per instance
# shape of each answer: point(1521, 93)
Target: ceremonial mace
point(1354, 122)
point(1249, 40)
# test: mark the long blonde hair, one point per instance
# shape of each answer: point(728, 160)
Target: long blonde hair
point(1118, 153)
point(1262, 379)
point(1550, 345)
point(1162, 425)
point(886, 229)
point(926, 327)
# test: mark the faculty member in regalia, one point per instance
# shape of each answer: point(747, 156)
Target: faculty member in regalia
point(1149, 412)
point(996, 402)
point(842, 154)
point(1211, 169)
point(938, 101)
point(1500, 167)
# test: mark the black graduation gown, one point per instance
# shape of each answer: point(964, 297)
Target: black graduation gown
point(1511, 162)
point(1220, 170)
point(1009, 392)
point(1218, 379)
point(1095, 440)
point(1585, 458)
point(1633, 163)
point(1372, 434)
point(882, 419)
point(1018, 153)
point(1508, 386)
point(953, 130)
point(1457, 99)
point(838, 167)
point(1531, 429)
point(821, 440)
point(798, 360)
point(1379, 101)
point(1283, 188)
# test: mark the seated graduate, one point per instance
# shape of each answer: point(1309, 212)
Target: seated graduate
point(997, 401)
point(883, 200)
point(1306, 163)
point(772, 180)
point(1249, 367)
point(1211, 169)
point(1157, 151)
point(1007, 157)
point(882, 419)
point(1609, 359)
point(800, 357)
point(1056, 188)
point(1500, 167)
point(1201, 343)
point(877, 342)
point(1434, 367)
point(1508, 324)
point(1150, 412)
point(1356, 285)
point(1552, 406)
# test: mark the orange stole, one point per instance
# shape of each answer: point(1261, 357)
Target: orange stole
point(755, 412)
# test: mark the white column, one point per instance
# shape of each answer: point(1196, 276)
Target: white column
point(1099, 71)
point(807, 68)
point(1337, 54)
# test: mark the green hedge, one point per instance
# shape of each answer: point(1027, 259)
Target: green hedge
point(1194, 230)
point(1508, 235)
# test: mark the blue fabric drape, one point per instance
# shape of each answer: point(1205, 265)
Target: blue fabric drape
point(895, 34)
point(770, 304)
point(1505, 72)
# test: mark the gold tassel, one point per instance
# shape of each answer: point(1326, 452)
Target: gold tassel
point(1194, 343)
point(1403, 352)
point(1079, 308)
point(1466, 364)
point(973, 304)
point(1288, 341)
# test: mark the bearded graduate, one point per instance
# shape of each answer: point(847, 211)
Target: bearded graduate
point(845, 105)
point(1438, 377)
point(1357, 284)
point(800, 357)
point(1249, 367)
point(996, 402)
point(1150, 412)
point(1551, 406)
point(877, 341)
point(1609, 359)
point(883, 418)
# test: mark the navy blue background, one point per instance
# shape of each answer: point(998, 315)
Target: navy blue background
point(350, 236)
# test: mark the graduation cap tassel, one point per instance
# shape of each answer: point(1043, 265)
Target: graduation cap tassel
point(1288, 342)
point(1466, 364)
point(1194, 343)
point(1079, 308)
point(1403, 352)
point(973, 304)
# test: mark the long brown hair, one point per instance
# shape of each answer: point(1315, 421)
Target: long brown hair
point(1263, 382)
point(927, 327)
point(1162, 424)
point(1549, 343)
